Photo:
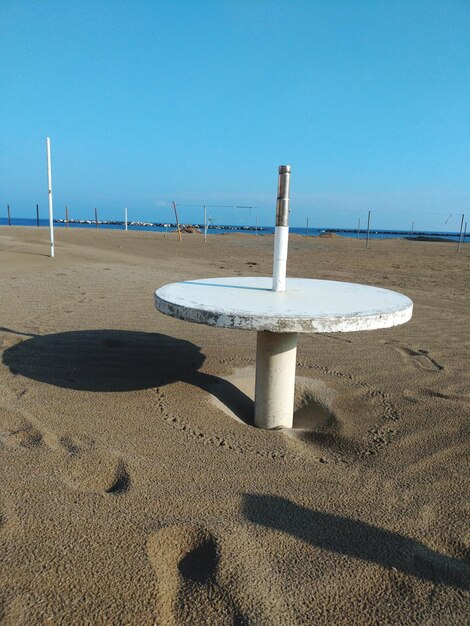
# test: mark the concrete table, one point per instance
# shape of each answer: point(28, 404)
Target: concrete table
point(306, 306)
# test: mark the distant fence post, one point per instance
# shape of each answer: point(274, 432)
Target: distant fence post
point(66, 216)
point(37, 214)
point(9, 220)
point(177, 220)
point(96, 218)
point(205, 224)
point(460, 234)
point(358, 227)
point(368, 229)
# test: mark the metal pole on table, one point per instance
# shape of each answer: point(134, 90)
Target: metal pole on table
point(281, 233)
point(49, 191)
point(276, 351)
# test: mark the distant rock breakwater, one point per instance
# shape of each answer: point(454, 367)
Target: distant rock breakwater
point(183, 227)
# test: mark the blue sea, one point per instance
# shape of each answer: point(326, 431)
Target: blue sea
point(226, 229)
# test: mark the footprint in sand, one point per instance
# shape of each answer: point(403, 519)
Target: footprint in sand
point(78, 461)
point(416, 395)
point(186, 562)
point(83, 466)
point(420, 358)
point(17, 432)
point(206, 579)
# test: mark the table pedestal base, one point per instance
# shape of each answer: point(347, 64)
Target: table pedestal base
point(275, 379)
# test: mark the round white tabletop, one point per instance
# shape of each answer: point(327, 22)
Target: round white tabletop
point(307, 305)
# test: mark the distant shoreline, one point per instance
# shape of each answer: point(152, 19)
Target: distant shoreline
point(405, 233)
point(219, 229)
point(415, 235)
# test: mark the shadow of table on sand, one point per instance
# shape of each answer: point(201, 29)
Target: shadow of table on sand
point(118, 361)
point(357, 539)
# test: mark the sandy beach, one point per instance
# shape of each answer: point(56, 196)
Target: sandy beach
point(134, 487)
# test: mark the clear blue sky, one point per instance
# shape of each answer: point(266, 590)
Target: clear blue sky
point(199, 101)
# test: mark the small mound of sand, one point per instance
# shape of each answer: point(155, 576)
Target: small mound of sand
point(312, 404)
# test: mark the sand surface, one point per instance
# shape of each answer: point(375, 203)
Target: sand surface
point(134, 489)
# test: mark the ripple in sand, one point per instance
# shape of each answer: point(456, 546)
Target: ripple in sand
point(420, 358)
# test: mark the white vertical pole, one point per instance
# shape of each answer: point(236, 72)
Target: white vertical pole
point(49, 189)
point(125, 217)
point(281, 233)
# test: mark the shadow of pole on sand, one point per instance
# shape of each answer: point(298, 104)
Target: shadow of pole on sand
point(357, 539)
point(236, 401)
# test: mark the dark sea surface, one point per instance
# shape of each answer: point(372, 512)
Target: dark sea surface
point(262, 230)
